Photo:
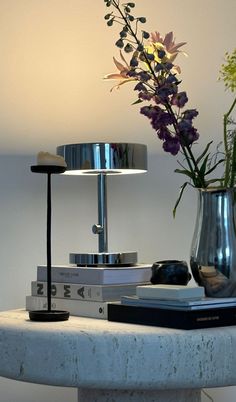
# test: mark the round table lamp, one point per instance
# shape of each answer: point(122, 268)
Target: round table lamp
point(103, 159)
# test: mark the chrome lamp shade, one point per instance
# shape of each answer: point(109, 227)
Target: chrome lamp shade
point(103, 159)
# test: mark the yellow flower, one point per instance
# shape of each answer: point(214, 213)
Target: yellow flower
point(167, 45)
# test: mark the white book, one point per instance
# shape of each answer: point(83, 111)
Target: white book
point(169, 292)
point(90, 309)
point(187, 304)
point(83, 292)
point(96, 275)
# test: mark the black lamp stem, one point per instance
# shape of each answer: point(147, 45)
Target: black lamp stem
point(49, 257)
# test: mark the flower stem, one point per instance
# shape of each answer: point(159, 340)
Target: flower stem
point(227, 178)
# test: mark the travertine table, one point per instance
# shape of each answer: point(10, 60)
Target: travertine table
point(114, 362)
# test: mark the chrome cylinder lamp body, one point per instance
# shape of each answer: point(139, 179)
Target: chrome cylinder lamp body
point(103, 159)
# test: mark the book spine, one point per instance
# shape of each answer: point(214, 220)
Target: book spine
point(75, 307)
point(70, 275)
point(83, 292)
point(96, 276)
point(68, 291)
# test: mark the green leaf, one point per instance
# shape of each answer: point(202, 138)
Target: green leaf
point(204, 165)
point(186, 172)
point(213, 167)
point(204, 152)
point(137, 101)
point(182, 188)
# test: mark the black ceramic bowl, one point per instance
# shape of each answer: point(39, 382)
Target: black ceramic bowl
point(170, 272)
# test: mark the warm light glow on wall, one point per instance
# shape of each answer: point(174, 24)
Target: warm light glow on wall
point(54, 54)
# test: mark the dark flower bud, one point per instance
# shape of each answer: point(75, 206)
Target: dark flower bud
point(171, 79)
point(131, 18)
point(145, 35)
point(140, 47)
point(144, 76)
point(125, 29)
point(128, 48)
point(139, 87)
point(159, 67)
point(108, 3)
point(123, 34)
point(168, 66)
point(110, 22)
point(127, 10)
point(107, 16)
point(132, 5)
point(120, 43)
point(134, 62)
point(142, 20)
point(131, 73)
point(161, 53)
point(150, 56)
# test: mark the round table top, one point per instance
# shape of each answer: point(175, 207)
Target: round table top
point(85, 352)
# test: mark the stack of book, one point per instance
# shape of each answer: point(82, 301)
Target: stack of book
point(181, 307)
point(85, 291)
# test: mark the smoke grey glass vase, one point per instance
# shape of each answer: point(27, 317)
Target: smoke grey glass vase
point(213, 249)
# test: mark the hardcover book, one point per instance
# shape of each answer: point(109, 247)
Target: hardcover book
point(182, 319)
point(96, 275)
point(187, 304)
point(90, 309)
point(84, 292)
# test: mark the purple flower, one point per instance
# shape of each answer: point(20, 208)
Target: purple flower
point(163, 133)
point(171, 145)
point(148, 111)
point(161, 119)
point(179, 99)
point(140, 87)
point(187, 133)
point(164, 91)
point(145, 95)
point(190, 114)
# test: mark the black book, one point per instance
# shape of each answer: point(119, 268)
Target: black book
point(180, 319)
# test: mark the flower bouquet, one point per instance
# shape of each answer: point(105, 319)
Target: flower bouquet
point(149, 61)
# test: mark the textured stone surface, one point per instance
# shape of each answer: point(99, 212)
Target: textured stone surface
point(96, 395)
point(91, 353)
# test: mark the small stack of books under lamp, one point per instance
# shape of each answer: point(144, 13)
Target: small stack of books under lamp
point(86, 291)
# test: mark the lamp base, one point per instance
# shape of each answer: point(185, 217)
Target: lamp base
point(97, 259)
point(44, 315)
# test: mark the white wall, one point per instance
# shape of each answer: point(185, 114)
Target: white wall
point(140, 218)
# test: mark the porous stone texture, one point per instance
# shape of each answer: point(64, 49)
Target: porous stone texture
point(98, 395)
point(97, 354)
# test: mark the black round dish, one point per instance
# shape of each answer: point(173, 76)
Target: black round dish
point(170, 272)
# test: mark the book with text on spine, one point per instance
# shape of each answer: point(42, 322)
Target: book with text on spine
point(90, 309)
point(96, 275)
point(84, 292)
point(171, 318)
